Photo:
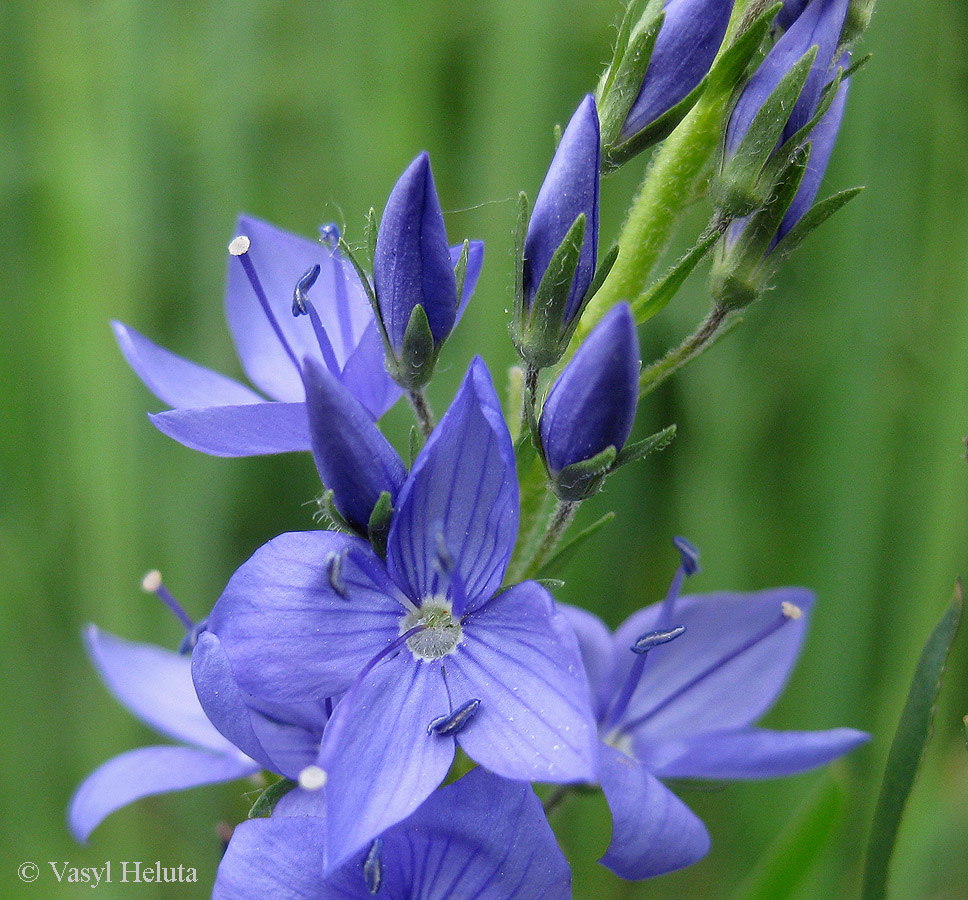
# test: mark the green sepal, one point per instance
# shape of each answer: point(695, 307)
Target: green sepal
point(780, 871)
point(565, 554)
point(327, 512)
point(641, 449)
point(811, 220)
point(378, 527)
point(740, 274)
point(859, 14)
point(556, 133)
point(584, 479)
point(552, 584)
point(369, 234)
point(741, 188)
point(655, 131)
point(347, 251)
point(731, 66)
point(626, 84)
point(266, 802)
point(515, 401)
point(907, 748)
point(634, 12)
point(520, 237)
point(538, 334)
point(460, 270)
point(418, 355)
point(657, 297)
point(598, 279)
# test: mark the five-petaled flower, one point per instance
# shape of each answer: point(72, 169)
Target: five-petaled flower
point(430, 652)
point(676, 690)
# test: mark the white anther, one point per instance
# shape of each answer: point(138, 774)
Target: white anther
point(151, 582)
point(791, 610)
point(313, 778)
point(239, 245)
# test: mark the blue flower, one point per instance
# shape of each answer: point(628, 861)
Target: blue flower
point(428, 653)
point(685, 48)
point(482, 837)
point(592, 405)
point(218, 415)
point(676, 690)
point(156, 685)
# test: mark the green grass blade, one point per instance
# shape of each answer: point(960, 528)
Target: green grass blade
point(778, 874)
point(910, 739)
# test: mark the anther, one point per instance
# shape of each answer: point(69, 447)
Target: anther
point(152, 584)
point(688, 554)
point(313, 778)
point(334, 571)
point(329, 234)
point(239, 246)
point(373, 866)
point(791, 610)
point(452, 723)
point(299, 298)
point(654, 638)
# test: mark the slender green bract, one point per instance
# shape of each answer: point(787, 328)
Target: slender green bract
point(910, 739)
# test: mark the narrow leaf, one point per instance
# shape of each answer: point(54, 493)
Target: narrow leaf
point(910, 739)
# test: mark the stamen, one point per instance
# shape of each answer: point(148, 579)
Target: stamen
point(334, 571)
point(313, 778)
point(654, 638)
point(688, 553)
point(329, 234)
point(789, 612)
point(152, 584)
point(452, 723)
point(373, 867)
point(239, 248)
point(302, 306)
point(688, 565)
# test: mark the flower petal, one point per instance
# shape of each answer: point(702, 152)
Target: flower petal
point(353, 457)
point(685, 690)
point(365, 374)
point(156, 685)
point(176, 381)
point(748, 753)
point(252, 430)
point(296, 625)
point(597, 656)
point(281, 739)
point(521, 660)
point(380, 760)
point(278, 858)
point(462, 489)
point(143, 772)
point(653, 831)
point(280, 259)
point(475, 262)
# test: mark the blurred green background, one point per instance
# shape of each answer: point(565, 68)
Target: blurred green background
point(819, 444)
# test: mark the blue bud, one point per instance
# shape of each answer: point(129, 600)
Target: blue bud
point(685, 48)
point(355, 461)
point(820, 26)
point(592, 404)
point(570, 189)
point(412, 263)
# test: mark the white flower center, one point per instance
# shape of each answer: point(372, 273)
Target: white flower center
point(441, 632)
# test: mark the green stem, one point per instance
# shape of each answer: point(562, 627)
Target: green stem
point(711, 328)
point(422, 410)
point(563, 515)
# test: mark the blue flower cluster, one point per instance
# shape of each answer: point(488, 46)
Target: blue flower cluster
point(365, 665)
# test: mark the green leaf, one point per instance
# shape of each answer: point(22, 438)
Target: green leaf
point(639, 450)
point(657, 297)
point(910, 739)
point(560, 560)
point(780, 871)
point(267, 800)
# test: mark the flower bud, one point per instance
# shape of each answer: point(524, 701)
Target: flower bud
point(413, 276)
point(561, 246)
point(589, 413)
